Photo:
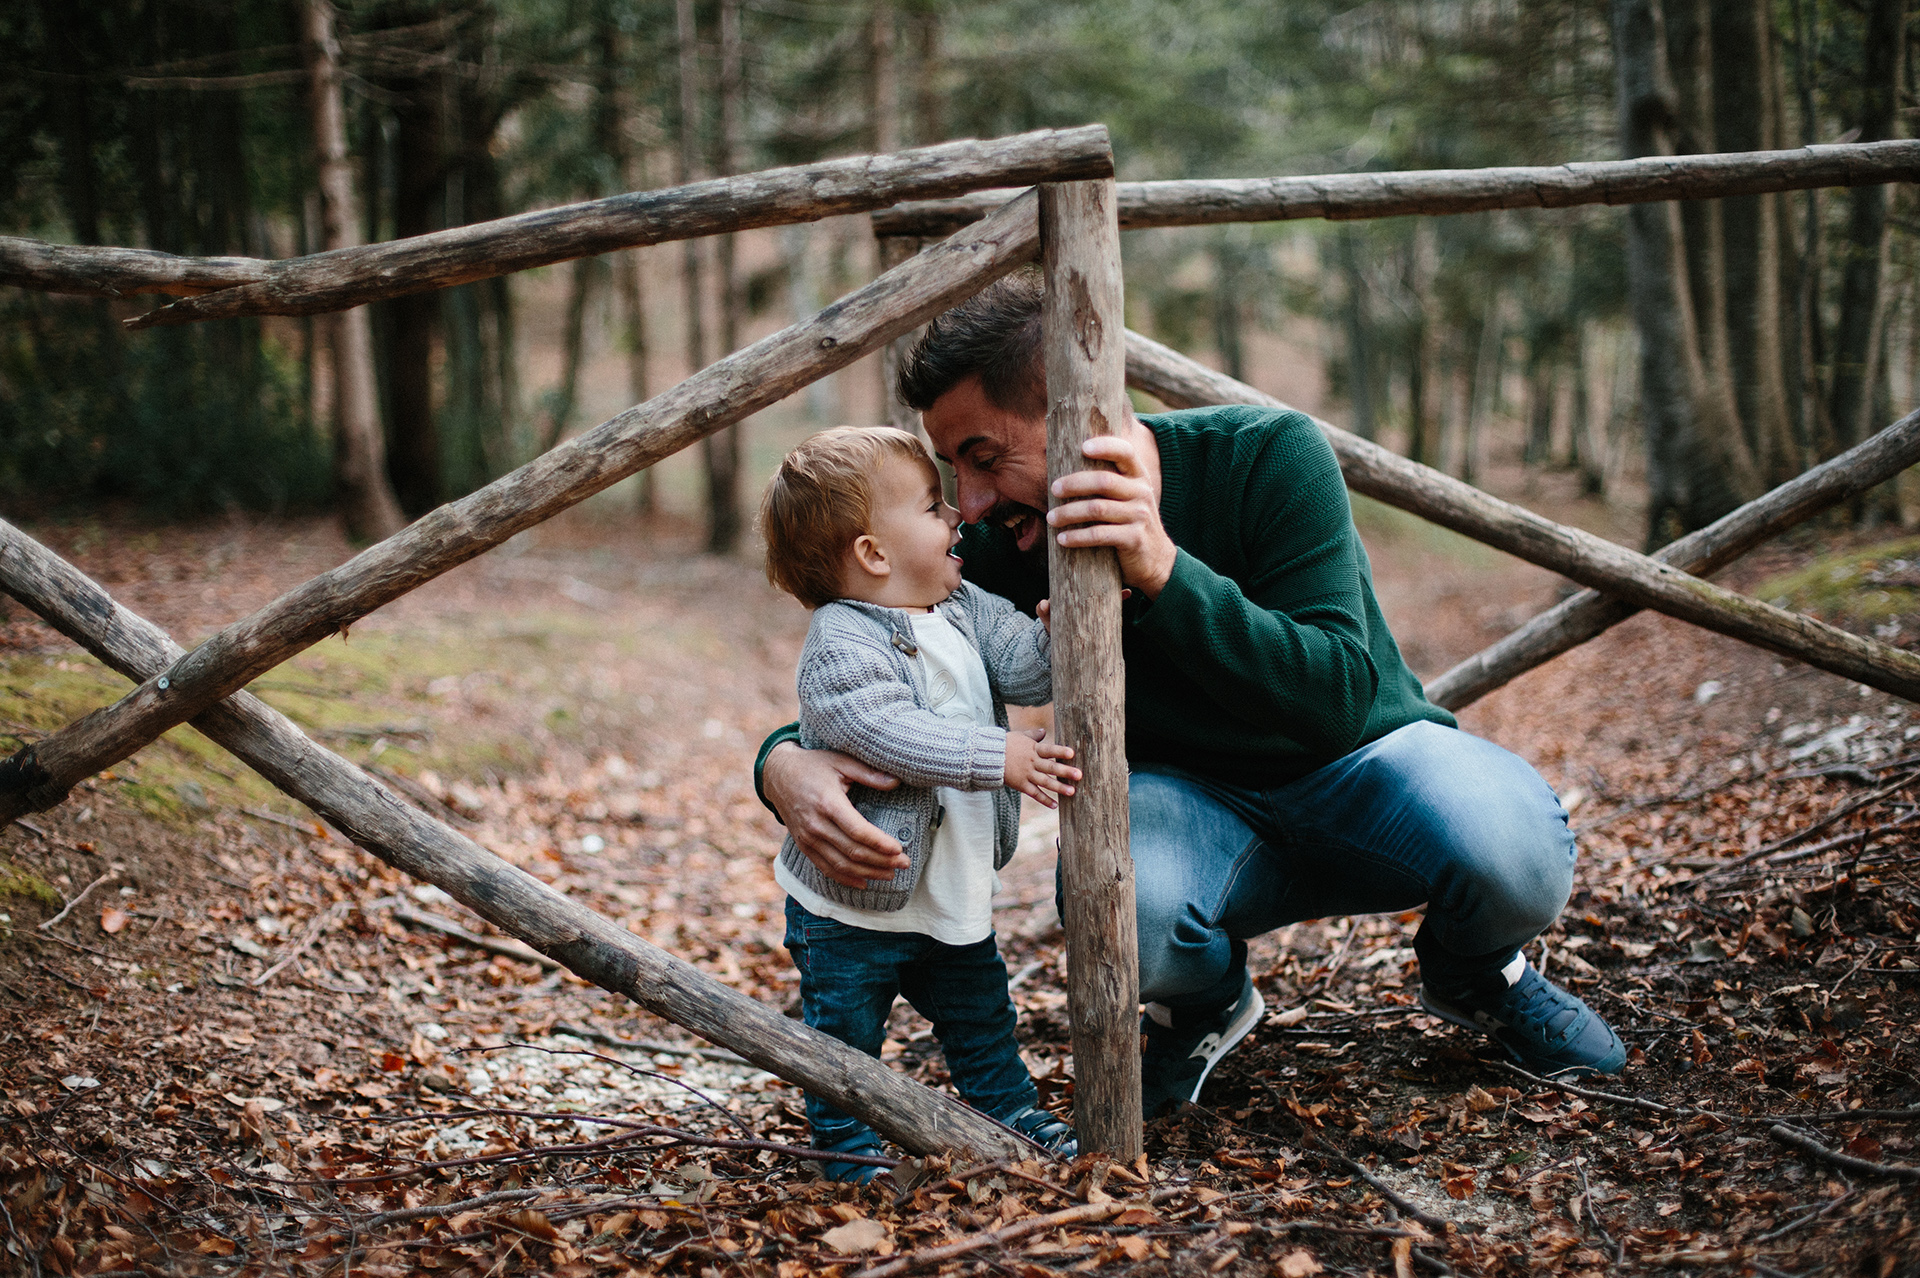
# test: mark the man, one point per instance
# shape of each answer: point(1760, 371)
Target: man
point(1284, 762)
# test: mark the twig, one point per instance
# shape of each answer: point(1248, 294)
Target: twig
point(305, 827)
point(1405, 1206)
point(447, 927)
point(291, 952)
point(1593, 1214)
point(1007, 1233)
point(1787, 841)
point(31, 828)
point(636, 1071)
point(1807, 1145)
point(26, 1250)
point(451, 1209)
point(592, 1035)
point(1806, 1217)
point(76, 900)
point(1745, 1120)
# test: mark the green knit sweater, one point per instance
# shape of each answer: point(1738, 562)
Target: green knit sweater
point(1265, 656)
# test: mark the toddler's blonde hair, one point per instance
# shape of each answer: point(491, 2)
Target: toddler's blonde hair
point(821, 499)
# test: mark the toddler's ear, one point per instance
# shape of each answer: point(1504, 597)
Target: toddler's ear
point(869, 557)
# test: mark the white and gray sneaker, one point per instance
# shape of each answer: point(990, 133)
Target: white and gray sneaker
point(1182, 1046)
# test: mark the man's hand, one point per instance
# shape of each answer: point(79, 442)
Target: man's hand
point(808, 788)
point(1118, 507)
point(1036, 767)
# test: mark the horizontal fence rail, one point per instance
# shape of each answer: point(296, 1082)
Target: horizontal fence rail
point(594, 947)
point(345, 278)
point(1592, 561)
point(747, 381)
point(1344, 196)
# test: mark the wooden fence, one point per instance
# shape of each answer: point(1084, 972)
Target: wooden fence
point(991, 235)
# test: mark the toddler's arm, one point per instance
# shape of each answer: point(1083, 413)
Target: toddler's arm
point(1016, 649)
point(851, 700)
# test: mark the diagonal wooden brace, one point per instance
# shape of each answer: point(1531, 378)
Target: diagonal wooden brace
point(915, 1117)
point(40, 775)
point(1581, 617)
point(1592, 561)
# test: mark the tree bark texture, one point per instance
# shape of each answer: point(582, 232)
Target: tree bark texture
point(359, 449)
point(1856, 338)
point(1588, 614)
point(1743, 117)
point(584, 942)
point(775, 197)
point(1693, 465)
point(741, 384)
point(1203, 202)
point(1083, 327)
point(1592, 561)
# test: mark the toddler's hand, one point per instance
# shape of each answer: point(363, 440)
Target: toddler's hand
point(1045, 613)
point(1036, 767)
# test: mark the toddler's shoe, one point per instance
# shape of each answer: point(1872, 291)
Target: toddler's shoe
point(1039, 1126)
point(863, 1142)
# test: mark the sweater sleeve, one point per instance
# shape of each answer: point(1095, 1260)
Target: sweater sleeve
point(1290, 645)
point(1015, 648)
point(852, 700)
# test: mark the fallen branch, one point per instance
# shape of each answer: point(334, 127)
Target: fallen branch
point(40, 774)
point(1345, 196)
point(448, 1209)
point(1780, 844)
point(68, 909)
point(1572, 552)
point(1083, 1214)
point(473, 940)
point(1859, 1166)
point(405, 838)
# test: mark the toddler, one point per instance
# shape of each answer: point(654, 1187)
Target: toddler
point(906, 668)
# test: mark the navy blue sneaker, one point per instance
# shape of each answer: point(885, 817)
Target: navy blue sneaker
point(863, 1142)
point(1045, 1129)
point(1182, 1046)
point(1543, 1027)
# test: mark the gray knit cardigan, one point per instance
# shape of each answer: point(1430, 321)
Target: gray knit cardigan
point(861, 693)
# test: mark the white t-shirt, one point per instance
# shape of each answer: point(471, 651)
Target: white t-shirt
point(953, 901)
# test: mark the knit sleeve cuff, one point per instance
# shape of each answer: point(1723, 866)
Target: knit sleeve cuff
point(987, 762)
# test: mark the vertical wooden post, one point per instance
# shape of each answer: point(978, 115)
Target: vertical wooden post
point(1083, 337)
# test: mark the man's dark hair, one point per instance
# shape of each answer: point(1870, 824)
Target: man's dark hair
point(993, 335)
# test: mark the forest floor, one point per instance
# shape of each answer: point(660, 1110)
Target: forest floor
point(251, 1048)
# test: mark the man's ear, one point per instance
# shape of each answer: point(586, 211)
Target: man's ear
point(869, 558)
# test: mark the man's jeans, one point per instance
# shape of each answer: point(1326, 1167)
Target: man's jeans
point(848, 979)
point(1425, 815)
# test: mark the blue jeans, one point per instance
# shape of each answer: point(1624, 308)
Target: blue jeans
point(849, 977)
point(1425, 815)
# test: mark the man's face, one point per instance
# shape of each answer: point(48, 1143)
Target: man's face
point(999, 460)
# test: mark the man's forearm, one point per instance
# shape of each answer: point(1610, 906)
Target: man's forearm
point(787, 735)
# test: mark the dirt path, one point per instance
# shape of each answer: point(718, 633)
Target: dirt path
point(586, 702)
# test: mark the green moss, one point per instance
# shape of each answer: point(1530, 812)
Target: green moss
point(1864, 587)
point(15, 881)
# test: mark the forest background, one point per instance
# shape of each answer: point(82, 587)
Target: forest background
point(1782, 329)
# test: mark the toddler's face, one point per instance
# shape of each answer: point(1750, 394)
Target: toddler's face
point(917, 531)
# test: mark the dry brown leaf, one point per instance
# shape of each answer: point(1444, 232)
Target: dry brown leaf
point(856, 1236)
point(1298, 1263)
point(113, 918)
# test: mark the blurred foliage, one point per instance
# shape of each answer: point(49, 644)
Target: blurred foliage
point(462, 110)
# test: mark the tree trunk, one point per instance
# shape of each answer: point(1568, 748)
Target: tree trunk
point(929, 117)
point(414, 324)
point(1856, 338)
point(615, 107)
point(1359, 338)
point(1743, 82)
point(573, 337)
point(693, 290)
point(722, 450)
point(360, 464)
point(1422, 438)
point(1693, 467)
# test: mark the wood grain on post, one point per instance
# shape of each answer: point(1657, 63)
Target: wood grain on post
point(777, 197)
point(1592, 561)
point(1082, 323)
point(1342, 196)
point(745, 382)
point(915, 1117)
point(1583, 616)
